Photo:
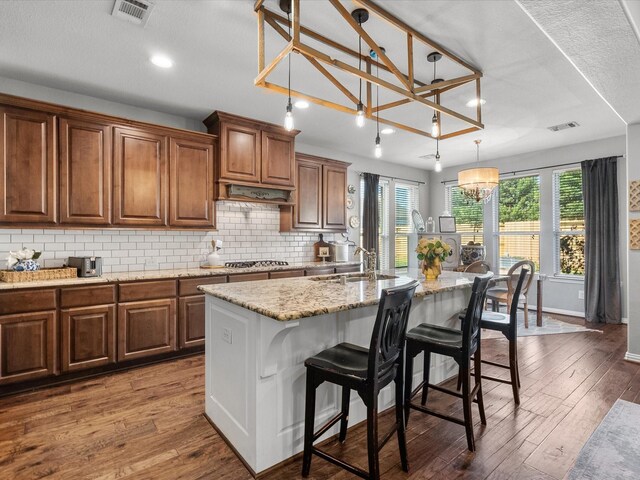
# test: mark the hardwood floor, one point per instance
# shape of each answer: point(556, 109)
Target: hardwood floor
point(147, 423)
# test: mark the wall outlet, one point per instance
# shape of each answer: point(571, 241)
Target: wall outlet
point(227, 335)
point(580, 294)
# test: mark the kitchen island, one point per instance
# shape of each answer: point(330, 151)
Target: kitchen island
point(258, 334)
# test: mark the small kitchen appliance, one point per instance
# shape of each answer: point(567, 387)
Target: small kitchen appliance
point(87, 266)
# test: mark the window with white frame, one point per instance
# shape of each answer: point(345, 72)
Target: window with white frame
point(406, 200)
point(568, 222)
point(517, 216)
point(395, 222)
point(469, 214)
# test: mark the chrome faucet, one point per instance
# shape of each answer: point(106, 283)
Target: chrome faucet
point(370, 268)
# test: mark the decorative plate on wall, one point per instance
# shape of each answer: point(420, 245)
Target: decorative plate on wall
point(349, 202)
point(354, 222)
point(634, 196)
point(351, 189)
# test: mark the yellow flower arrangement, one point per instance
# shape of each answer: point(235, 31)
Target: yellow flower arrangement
point(430, 248)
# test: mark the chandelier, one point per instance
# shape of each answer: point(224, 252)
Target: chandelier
point(478, 183)
point(328, 57)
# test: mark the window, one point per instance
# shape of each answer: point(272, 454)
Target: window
point(568, 222)
point(406, 200)
point(517, 212)
point(395, 222)
point(469, 215)
point(383, 221)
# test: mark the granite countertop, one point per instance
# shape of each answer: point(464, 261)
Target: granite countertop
point(294, 298)
point(173, 273)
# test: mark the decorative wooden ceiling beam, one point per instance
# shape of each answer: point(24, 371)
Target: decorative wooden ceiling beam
point(371, 42)
point(410, 61)
point(396, 22)
point(459, 132)
point(274, 63)
point(309, 98)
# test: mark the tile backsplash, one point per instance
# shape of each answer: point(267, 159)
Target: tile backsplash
point(248, 231)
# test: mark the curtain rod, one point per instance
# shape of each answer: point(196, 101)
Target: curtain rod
point(397, 178)
point(515, 172)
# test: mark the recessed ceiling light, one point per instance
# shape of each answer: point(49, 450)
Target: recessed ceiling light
point(474, 102)
point(162, 61)
point(387, 131)
point(301, 104)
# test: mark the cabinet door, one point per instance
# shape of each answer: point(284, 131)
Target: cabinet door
point(146, 328)
point(334, 197)
point(191, 321)
point(191, 184)
point(308, 209)
point(240, 153)
point(140, 177)
point(278, 160)
point(88, 337)
point(27, 346)
point(27, 166)
point(85, 172)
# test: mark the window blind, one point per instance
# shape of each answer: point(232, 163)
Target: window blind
point(568, 222)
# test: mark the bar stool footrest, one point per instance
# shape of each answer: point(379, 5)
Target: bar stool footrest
point(340, 463)
point(429, 411)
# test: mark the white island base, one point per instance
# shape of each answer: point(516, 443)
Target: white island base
point(255, 374)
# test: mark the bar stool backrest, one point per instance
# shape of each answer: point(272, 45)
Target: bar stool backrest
point(513, 314)
point(389, 331)
point(514, 275)
point(471, 321)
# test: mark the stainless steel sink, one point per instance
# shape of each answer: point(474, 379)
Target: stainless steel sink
point(352, 278)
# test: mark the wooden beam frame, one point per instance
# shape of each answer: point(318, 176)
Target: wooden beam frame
point(406, 85)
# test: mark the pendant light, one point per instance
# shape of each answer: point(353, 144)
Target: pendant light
point(438, 166)
point(288, 117)
point(478, 183)
point(378, 148)
point(433, 57)
point(360, 15)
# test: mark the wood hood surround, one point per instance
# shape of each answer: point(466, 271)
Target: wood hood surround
point(256, 160)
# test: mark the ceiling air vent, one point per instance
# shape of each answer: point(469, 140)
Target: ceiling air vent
point(134, 11)
point(564, 126)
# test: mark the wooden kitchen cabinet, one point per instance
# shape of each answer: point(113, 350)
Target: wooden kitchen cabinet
point(85, 171)
point(146, 328)
point(191, 183)
point(88, 337)
point(278, 159)
point(28, 166)
point(320, 197)
point(140, 177)
point(240, 152)
point(28, 345)
point(191, 321)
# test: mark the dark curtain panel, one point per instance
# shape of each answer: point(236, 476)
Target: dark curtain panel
point(370, 212)
point(602, 296)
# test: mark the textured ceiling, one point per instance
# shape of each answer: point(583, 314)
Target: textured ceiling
point(528, 83)
point(599, 38)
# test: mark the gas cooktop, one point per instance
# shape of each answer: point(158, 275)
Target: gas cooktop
point(255, 263)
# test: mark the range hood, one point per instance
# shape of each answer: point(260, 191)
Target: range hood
point(247, 192)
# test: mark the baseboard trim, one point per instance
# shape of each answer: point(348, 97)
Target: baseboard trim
point(560, 311)
point(632, 357)
point(625, 320)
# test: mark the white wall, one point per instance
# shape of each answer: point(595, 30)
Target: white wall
point(560, 295)
point(633, 272)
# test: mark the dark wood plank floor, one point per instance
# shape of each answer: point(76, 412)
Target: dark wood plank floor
point(147, 423)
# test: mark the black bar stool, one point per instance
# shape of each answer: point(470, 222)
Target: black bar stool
point(367, 371)
point(458, 344)
point(508, 326)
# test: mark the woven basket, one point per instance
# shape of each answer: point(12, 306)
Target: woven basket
point(11, 276)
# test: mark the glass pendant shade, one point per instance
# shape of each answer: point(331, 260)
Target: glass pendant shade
point(288, 118)
point(435, 126)
point(378, 150)
point(360, 115)
point(478, 183)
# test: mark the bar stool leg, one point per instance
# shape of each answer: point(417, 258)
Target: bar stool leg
point(372, 437)
point(466, 404)
point(477, 368)
point(346, 397)
point(425, 376)
point(408, 384)
point(309, 417)
point(513, 370)
point(459, 384)
point(400, 422)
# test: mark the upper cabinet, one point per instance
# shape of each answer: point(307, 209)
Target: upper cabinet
point(105, 171)
point(85, 171)
point(253, 154)
point(28, 166)
point(140, 177)
point(320, 197)
point(191, 174)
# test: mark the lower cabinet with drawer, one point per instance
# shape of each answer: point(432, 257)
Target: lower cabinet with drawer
point(28, 346)
point(88, 337)
point(146, 328)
